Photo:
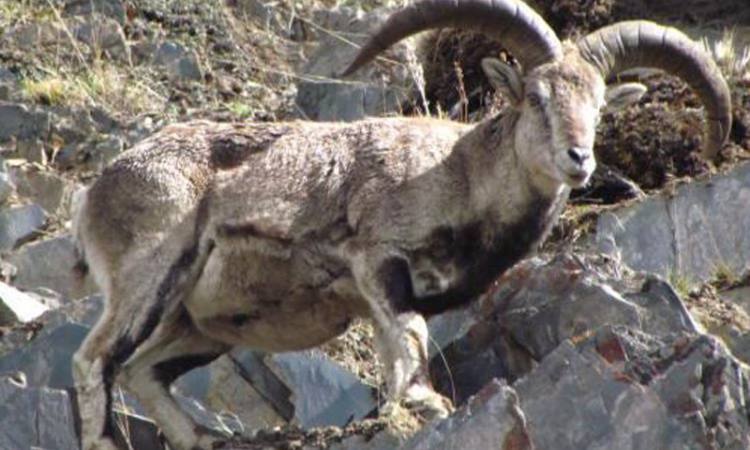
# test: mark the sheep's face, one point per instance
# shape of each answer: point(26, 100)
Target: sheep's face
point(559, 112)
point(559, 105)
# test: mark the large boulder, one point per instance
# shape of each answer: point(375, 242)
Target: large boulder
point(19, 224)
point(690, 234)
point(379, 88)
point(51, 263)
point(535, 307)
point(35, 417)
point(621, 389)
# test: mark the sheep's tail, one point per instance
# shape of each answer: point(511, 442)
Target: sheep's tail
point(77, 206)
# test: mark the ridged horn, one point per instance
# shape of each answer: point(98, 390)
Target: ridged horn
point(518, 27)
point(641, 43)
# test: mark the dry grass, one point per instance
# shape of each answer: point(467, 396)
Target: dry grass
point(121, 91)
point(732, 57)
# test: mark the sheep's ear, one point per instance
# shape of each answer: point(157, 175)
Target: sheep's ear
point(618, 96)
point(504, 78)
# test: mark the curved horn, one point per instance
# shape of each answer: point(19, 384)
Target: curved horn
point(516, 25)
point(626, 45)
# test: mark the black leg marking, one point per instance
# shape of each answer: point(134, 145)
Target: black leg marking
point(129, 341)
point(395, 278)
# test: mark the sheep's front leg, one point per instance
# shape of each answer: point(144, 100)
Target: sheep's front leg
point(401, 335)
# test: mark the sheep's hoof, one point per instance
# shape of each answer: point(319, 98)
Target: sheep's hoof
point(430, 407)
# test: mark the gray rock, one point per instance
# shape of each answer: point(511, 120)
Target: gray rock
point(36, 418)
point(20, 224)
point(83, 312)
point(51, 263)
point(44, 418)
point(375, 89)
point(620, 389)
point(20, 122)
point(111, 8)
point(6, 76)
point(322, 392)
point(105, 35)
point(107, 150)
point(44, 187)
point(179, 62)
point(32, 150)
point(8, 84)
point(16, 306)
point(491, 419)
point(6, 187)
point(536, 306)
point(29, 36)
point(46, 361)
point(223, 387)
point(690, 234)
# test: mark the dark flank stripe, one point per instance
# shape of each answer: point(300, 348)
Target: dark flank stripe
point(126, 344)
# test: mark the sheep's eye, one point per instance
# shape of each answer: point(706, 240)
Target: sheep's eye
point(534, 100)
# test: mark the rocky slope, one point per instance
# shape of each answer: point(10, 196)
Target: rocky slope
point(630, 330)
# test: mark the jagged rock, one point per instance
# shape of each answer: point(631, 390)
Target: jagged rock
point(688, 234)
point(44, 418)
point(20, 122)
point(321, 392)
point(324, 393)
point(44, 187)
point(375, 89)
point(46, 361)
point(179, 62)
point(222, 386)
point(20, 224)
point(536, 306)
point(83, 312)
point(620, 389)
point(51, 263)
point(16, 306)
point(490, 419)
point(35, 418)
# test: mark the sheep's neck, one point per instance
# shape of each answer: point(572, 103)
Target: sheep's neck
point(497, 179)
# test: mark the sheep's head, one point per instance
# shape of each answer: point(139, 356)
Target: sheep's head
point(560, 95)
point(559, 104)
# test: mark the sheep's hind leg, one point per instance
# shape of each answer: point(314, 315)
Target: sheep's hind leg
point(174, 349)
point(94, 367)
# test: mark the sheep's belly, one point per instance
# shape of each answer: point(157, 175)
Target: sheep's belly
point(273, 302)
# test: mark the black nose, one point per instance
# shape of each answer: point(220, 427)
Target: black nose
point(578, 155)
